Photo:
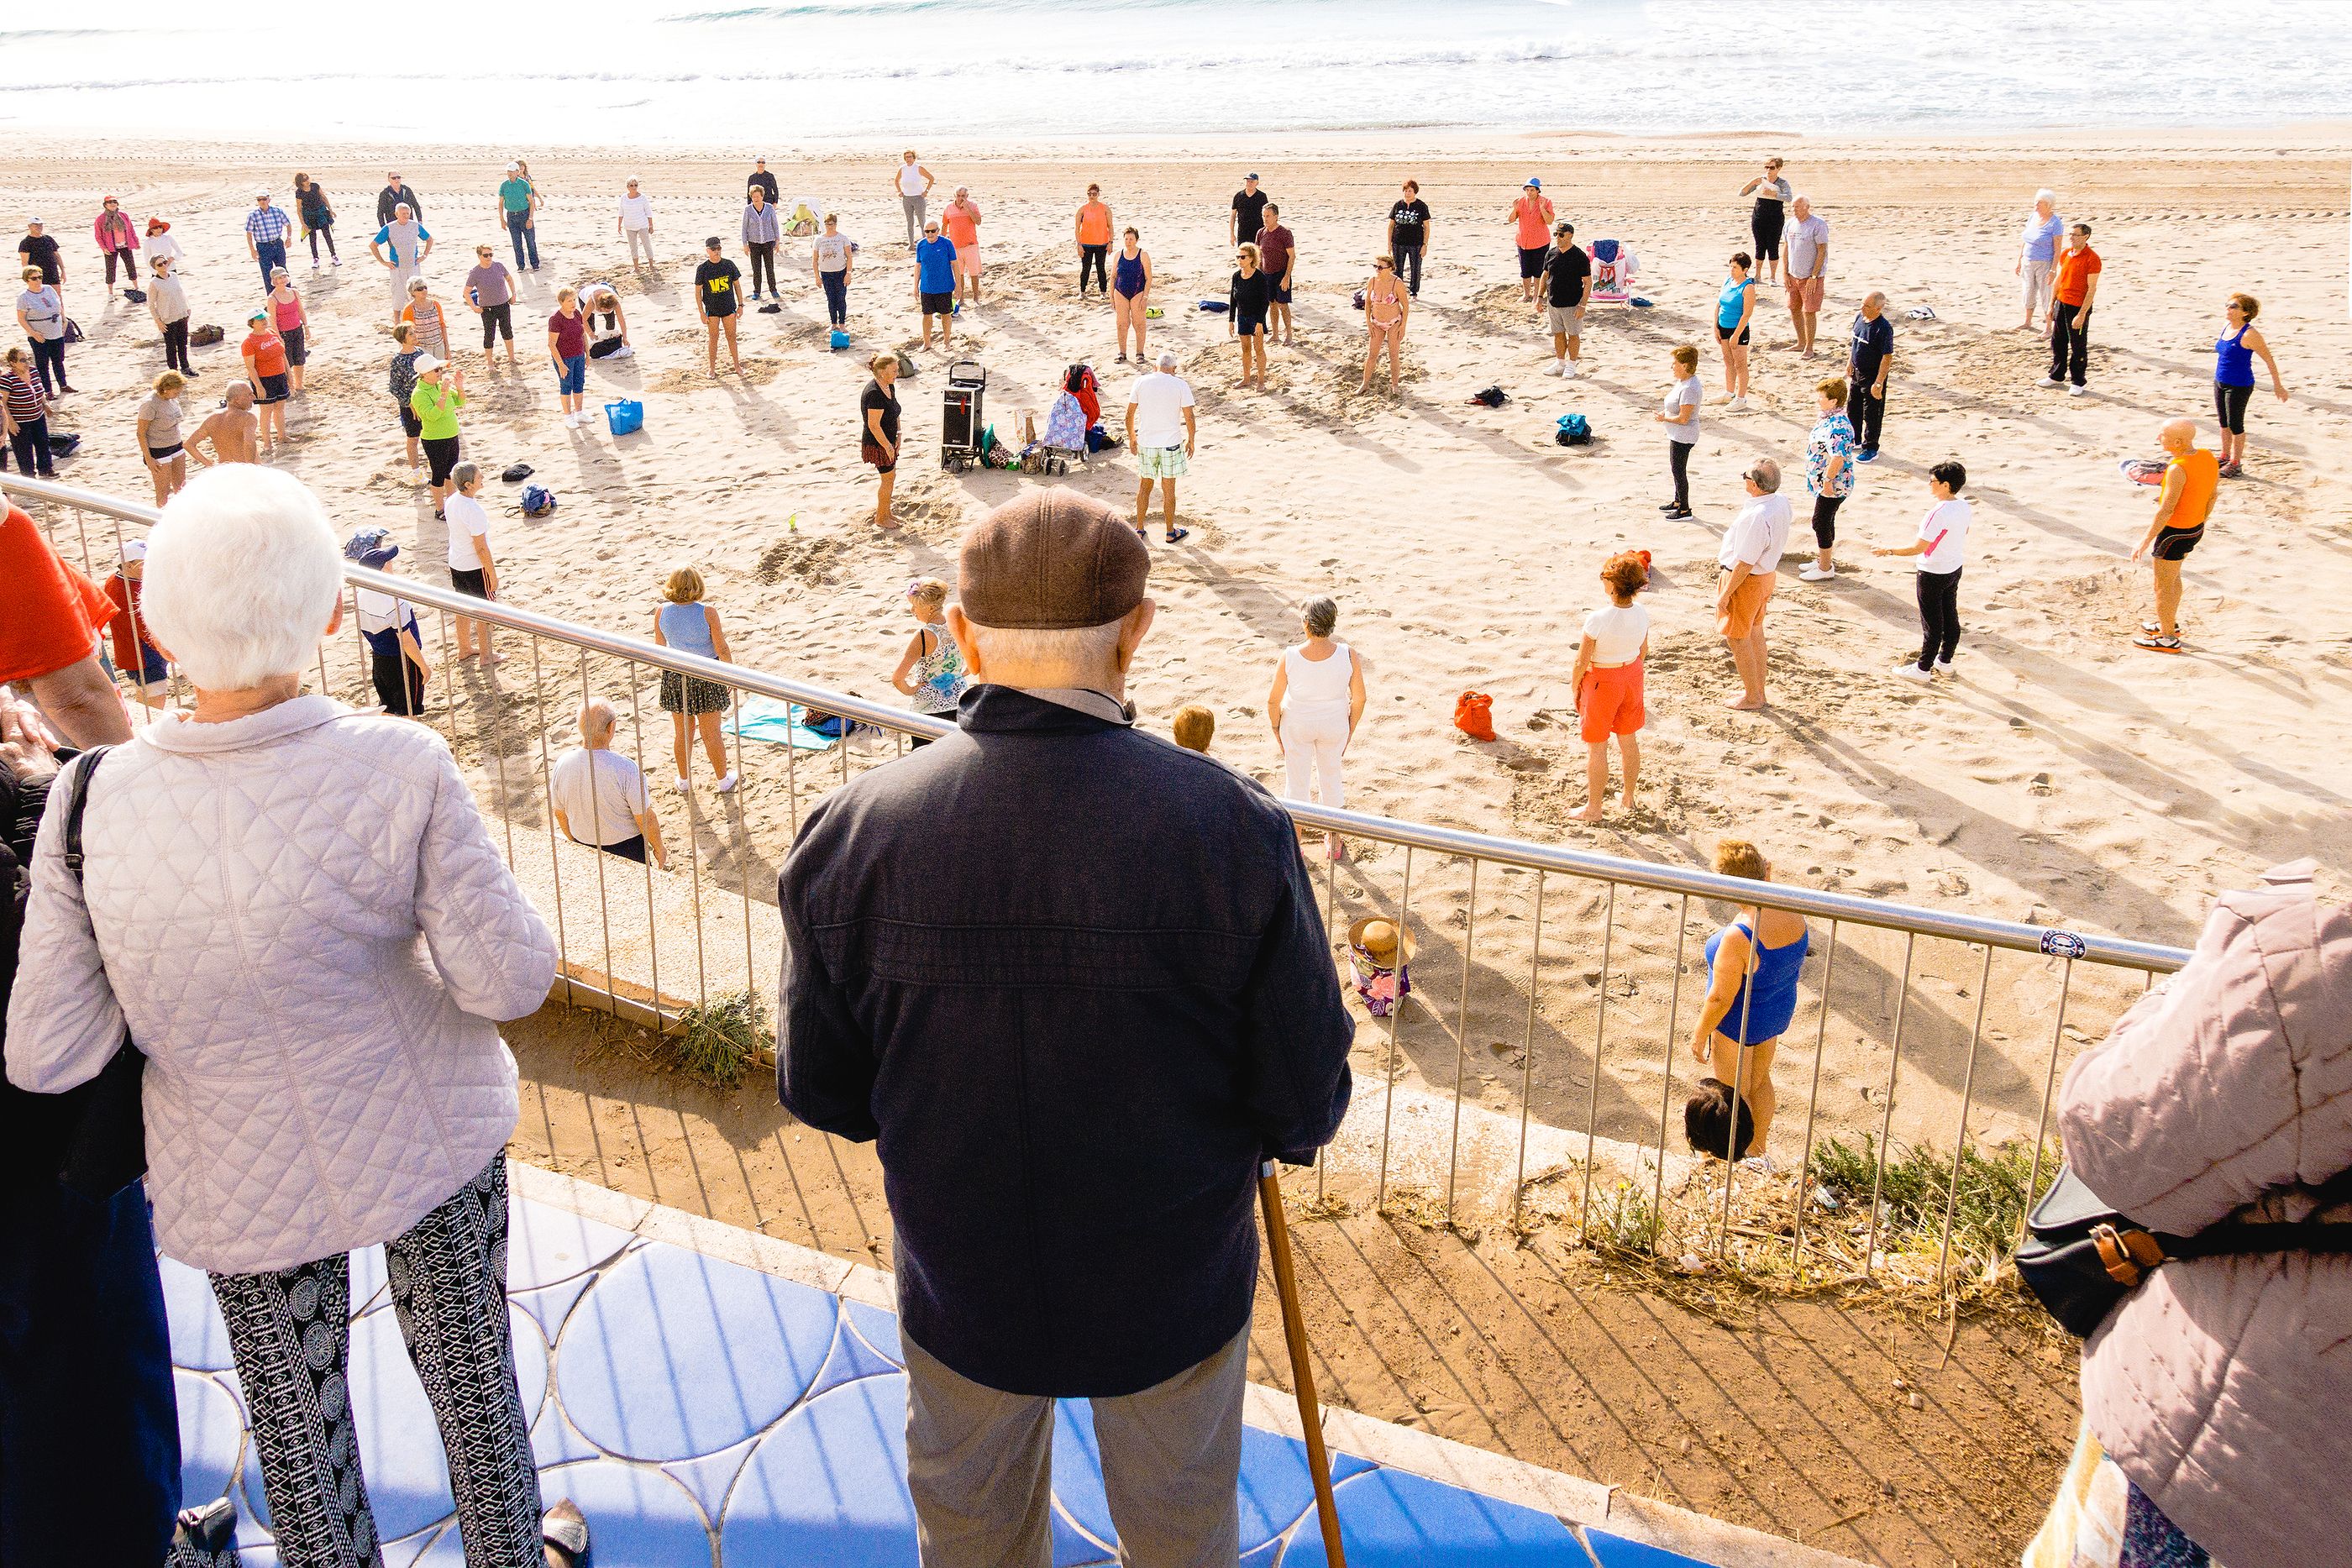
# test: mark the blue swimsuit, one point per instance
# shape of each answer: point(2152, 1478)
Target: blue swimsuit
point(1774, 1005)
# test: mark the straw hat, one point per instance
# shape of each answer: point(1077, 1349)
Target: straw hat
point(1376, 939)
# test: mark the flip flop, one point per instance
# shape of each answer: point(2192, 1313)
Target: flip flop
point(1177, 534)
point(563, 1528)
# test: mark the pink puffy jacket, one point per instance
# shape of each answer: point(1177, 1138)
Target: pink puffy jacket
point(2222, 1386)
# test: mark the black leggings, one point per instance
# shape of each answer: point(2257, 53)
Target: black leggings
point(1939, 617)
point(31, 445)
point(175, 347)
point(1678, 460)
point(1093, 257)
point(763, 260)
point(2229, 406)
point(1825, 519)
point(327, 234)
point(1766, 226)
point(49, 363)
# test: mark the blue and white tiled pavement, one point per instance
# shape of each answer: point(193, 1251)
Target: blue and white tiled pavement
point(712, 1398)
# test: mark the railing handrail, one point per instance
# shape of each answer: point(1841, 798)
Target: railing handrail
point(1849, 908)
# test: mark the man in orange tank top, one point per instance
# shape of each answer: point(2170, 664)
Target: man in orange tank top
point(2190, 479)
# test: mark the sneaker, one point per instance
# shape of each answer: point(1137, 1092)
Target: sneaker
point(1811, 571)
point(1867, 454)
point(2047, 381)
point(1736, 405)
point(726, 785)
point(1678, 514)
point(2157, 643)
point(1669, 506)
point(1943, 666)
point(1557, 367)
point(1913, 674)
point(338, 261)
point(685, 787)
point(2151, 628)
point(2234, 470)
point(1574, 371)
point(2077, 390)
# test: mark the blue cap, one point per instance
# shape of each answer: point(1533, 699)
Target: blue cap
point(1535, 182)
point(372, 548)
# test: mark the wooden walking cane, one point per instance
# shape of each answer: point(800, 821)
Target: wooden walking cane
point(1302, 1369)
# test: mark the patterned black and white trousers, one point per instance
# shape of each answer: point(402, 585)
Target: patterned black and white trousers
point(290, 1334)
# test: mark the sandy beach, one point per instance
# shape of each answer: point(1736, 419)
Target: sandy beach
point(2060, 776)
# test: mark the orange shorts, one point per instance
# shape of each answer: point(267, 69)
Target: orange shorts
point(1609, 702)
point(1745, 613)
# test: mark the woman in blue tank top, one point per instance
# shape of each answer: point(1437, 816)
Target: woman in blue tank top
point(1752, 966)
point(691, 626)
point(2233, 378)
point(1735, 308)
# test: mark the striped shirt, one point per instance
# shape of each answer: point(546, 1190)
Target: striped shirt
point(268, 224)
point(23, 395)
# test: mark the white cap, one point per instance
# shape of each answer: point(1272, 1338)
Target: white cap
point(261, 195)
point(513, 168)
point(33, 222)
point(430, 363)
point(134, 549)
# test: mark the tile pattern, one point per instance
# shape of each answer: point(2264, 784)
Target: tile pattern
point(701, 1412)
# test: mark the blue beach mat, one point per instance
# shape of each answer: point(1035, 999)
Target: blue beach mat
point(765, 718)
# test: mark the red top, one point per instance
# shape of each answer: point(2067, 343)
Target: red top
point(124, 594)
point(268, 352)
point(53, 612)
point(2075, 271)
point(570, 333)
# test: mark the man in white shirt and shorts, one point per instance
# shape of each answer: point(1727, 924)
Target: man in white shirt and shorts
point(599, 797)
point(1751, 554)
point(1160, 432)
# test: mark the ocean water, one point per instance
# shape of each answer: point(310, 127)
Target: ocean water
point(534, 72)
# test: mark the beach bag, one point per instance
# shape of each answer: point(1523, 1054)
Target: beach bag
point(2080, 1258)
point(64, 443)
point(1098, 439)
point(99, 1128)
point(627, 417)
point(517, 474)
point(1474, 715)
point(1575, 429)
point(609, 348)
point(1492, 397)
point(1359, 299)
point(839, 338)
point(1079, 381)
point(73, 331)
point(538, 501)
point(832, 726)
point(204, 336)
point(1216, 307)
point(906, 365)
point(134, 295)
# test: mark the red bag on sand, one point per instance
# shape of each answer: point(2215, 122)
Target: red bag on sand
point(1474, 715)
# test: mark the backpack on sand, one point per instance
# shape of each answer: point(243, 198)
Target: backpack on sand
point(1575, 429)
point(538, 501)
point(204, 336)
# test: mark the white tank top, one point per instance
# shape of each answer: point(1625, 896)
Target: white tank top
point(910, 179)
point(1318, 681)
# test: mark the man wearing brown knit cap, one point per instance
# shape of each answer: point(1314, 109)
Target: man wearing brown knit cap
point(1073, 980)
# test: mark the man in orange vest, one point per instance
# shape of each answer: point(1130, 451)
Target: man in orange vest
point(2190, 479)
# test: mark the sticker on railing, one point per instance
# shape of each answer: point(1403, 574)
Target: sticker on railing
point(2063, 945)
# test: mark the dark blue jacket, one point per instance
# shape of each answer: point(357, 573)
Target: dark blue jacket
point(1074, 979)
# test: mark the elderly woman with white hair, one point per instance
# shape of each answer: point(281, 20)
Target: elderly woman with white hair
point(2037, 257)
point(297, 914)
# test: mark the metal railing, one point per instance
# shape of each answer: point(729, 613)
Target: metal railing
point(1557, 910)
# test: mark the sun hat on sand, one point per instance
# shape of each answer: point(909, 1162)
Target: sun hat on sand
point(1376, 939)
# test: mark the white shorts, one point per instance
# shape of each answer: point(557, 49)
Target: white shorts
point(1566, 319)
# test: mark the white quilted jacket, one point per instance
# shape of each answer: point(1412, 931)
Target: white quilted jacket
point(304, 921)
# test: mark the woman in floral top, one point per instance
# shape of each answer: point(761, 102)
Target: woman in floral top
point(931, 670)
point(1829, 474)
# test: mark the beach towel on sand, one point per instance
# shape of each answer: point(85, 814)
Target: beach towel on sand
point(781, 724)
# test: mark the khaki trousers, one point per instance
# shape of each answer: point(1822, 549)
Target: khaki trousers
point(978, 1463)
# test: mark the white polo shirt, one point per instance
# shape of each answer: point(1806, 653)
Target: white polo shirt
point(600, 793)
point(1758, 535)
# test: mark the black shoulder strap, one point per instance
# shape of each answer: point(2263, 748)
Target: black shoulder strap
point(2258, 1236)
point(77, 801)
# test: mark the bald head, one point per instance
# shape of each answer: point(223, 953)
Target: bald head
point(2179, 437)
point(596, 720)
point(240, 394)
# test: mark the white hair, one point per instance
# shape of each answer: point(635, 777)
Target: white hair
point(596, 717)
point(1082, 650)
point(1169, 359)
point(2046, 195)
point(243, 575)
